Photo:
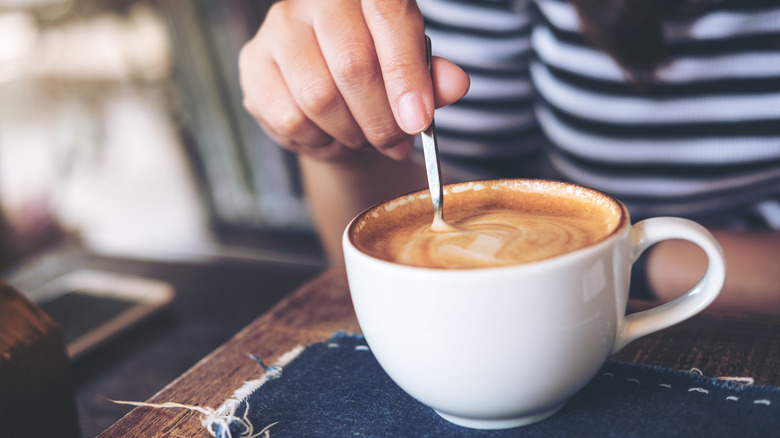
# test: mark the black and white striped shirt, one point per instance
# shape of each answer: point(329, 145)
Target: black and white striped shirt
point(701, 141)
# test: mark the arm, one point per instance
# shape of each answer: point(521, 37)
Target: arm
point(338, 191)
point(753, 270)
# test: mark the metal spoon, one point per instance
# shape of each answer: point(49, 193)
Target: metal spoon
point(432, 166)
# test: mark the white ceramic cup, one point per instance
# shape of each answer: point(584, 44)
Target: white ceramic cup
point(501, 347)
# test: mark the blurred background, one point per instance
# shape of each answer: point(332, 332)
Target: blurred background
point(124, 147)
point(121, 126)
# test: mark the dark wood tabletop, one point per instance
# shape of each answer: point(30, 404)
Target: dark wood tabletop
point(214, 299)
point(715, 343)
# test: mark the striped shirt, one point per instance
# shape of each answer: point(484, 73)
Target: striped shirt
point(701, 141)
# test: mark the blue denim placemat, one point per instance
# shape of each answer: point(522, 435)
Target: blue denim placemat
point(337, 389)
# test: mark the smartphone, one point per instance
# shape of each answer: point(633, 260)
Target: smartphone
point(93, 306)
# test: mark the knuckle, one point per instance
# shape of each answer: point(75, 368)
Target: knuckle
point(391, 10)
point(243, 55)
point(277, 10)
point(384, 136)
point(396, 69)
point(248, 64)
point(318, 97)
point(250, 107)
point(356, 142)
point(289, 123)
point(355, 65)
point(281, 19)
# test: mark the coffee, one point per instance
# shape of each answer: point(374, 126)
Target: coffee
point(497, 223)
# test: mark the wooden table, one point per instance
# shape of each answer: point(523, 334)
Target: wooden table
point(718, 344)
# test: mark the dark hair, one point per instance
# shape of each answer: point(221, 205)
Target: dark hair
point(630, 31)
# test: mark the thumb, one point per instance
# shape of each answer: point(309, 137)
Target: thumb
point(450, 82)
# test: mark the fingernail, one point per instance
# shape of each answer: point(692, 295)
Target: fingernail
point(412, 112)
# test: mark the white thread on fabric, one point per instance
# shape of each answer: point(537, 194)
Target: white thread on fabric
point(741, 380)
point(333, 345)
point(202, 410)
point(221, 420)
point(361, 348)
point(702, 390)
point(746, 381)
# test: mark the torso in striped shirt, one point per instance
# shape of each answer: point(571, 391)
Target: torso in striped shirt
point(701, 141)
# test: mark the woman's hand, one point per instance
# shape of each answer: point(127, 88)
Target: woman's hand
point(324, 78)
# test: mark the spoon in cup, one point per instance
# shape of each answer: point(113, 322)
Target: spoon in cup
point(432, 165)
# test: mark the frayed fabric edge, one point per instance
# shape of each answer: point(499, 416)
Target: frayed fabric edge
point(218, 421)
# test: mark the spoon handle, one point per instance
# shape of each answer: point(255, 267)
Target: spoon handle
point(431, 153)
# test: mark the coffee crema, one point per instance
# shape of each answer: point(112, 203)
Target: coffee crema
point(496, 223)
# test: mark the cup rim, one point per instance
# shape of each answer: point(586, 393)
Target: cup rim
point(622, 223)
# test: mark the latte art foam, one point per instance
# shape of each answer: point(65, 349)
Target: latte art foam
point(507, 222)
point(494, 239)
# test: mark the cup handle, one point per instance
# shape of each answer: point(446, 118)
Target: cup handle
point(651, 231)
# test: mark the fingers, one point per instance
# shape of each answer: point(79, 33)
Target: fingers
point(274, 107)
point(309, 81)
point(326, 77)
point(269, 101)
point(289, 88)
point(398, 35)
point(356, 70)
